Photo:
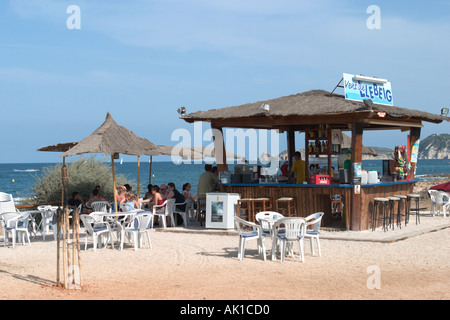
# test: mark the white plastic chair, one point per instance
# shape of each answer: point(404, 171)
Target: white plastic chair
point(288, 231)
point(249, 231)
point(126, 207)
point(432, 193)
point(184, 214)
point(7, 203)
point(442, 199)
point(48, 214)
point(266, 219)
point(165, 210)
point(16, 224)
point(96, 215)
point(101, 206)
point(141, 224)
point(314, 219)
point(95, 229)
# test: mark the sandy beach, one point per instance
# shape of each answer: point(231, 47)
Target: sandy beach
point(196, 264)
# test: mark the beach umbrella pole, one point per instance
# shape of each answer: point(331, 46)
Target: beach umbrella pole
point(138, 174)
point(150, 171)
point(114, 182)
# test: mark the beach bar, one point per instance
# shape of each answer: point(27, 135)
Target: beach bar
point(320, 114)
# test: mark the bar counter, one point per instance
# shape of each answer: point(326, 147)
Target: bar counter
point(309, 198)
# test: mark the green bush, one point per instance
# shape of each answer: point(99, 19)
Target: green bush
point(84, 174)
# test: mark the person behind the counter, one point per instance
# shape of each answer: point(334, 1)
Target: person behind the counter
point(298, 168)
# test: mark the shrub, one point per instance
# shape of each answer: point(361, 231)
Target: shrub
point(84, 174)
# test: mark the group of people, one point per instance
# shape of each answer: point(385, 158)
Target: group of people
point(156, 195)
point(77, 200)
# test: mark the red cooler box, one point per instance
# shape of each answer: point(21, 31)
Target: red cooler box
point(319, 179)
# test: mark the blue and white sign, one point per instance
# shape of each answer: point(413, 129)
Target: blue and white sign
point(359, 88)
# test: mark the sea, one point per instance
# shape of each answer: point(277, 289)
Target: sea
point(19, 178)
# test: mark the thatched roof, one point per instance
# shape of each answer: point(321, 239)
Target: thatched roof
point(60, 147)
point(110, 138)
point(310, 103)
point(193, 152)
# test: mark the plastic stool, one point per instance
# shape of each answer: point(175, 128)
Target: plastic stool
point(416, 198)
point(384, 206)
point(392, 201)
point(261, 204)
point(246, 206)
point(289, 206)
point(399, 212)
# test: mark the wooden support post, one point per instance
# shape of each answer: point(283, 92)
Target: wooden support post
point(58, 245)
point(291, 147)
point(354, 223)
point(138, 175)
point(150, 171)
point(114, 182)
point(219, 147)
point(414, 136)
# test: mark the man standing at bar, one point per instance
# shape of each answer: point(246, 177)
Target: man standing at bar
point(208, 182)
point(298, 168)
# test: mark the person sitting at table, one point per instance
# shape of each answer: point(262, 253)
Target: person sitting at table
point(120, 197)
point(188, 195)
point(148, 194)
point(132, 200)
point(157, 200)
point(163, 191)
point(179, 198)
point(95, 196)
point(75, 201)
point(148, 197)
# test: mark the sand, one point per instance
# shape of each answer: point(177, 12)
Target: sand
point(205, 266)
point(411, 263)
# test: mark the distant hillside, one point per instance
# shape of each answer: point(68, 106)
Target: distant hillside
point(436, 146)
point(382, 153)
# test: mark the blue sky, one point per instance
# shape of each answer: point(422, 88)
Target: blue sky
point(140, 60)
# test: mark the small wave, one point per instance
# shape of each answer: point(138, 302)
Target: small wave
point(26, 170)
point(424, 177)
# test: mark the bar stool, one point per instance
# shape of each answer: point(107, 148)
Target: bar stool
point(399, 213)
point(245, 209)
point(286, 204)
point(261, 204)
point(384, 207)
point(392, 201)
point(416, 198)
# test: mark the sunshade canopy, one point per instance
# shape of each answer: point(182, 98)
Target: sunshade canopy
point(110, 138)
point(305, 109)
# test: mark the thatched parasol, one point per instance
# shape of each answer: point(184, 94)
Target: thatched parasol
point(194, 152)
point(60, 147)
point(112, 139)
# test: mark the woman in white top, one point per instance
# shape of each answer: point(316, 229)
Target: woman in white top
point(187, 192)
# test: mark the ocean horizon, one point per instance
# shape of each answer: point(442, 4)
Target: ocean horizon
point(19, 178)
